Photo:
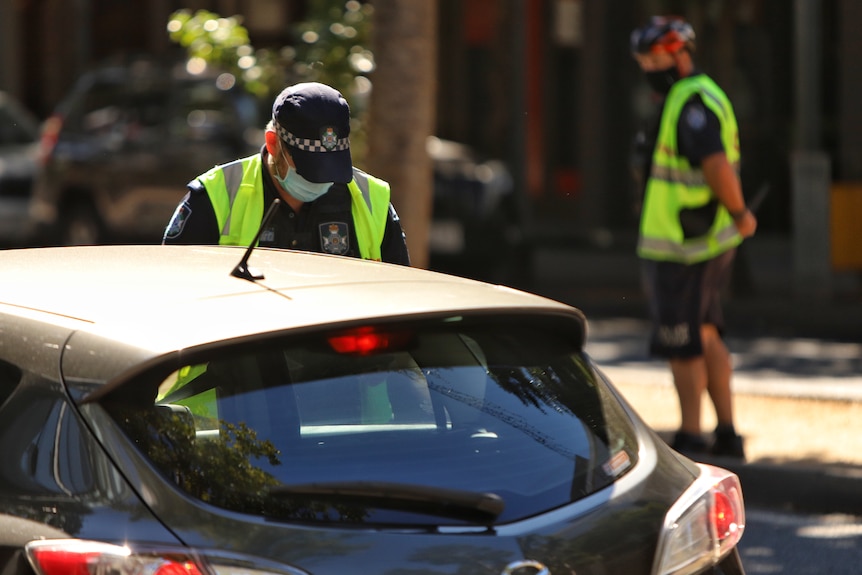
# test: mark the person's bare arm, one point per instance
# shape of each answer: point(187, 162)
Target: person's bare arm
point(722, 179)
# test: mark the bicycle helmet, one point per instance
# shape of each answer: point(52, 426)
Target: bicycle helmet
point(663, 34)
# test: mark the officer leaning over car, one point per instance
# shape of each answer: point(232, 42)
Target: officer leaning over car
point(329, 205)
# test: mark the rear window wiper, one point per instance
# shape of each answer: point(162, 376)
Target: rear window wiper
point(480, 508)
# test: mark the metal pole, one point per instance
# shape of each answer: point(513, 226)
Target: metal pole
point(810, 166)
point(808, 23)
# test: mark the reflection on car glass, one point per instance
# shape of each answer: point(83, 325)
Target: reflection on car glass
point(451, 411)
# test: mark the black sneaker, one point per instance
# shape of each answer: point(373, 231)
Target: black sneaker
point(689, 444)
point(727, 444)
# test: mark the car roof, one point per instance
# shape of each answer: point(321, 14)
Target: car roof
point(165, 298)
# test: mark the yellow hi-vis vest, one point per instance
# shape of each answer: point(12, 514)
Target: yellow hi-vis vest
point(674, 185)
point(235, 190)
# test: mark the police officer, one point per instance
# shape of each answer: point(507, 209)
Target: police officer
point(328, 205)
point(693, 216)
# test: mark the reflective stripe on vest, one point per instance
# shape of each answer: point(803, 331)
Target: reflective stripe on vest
point(235, 191)
point(674, 184)
point(370, 209)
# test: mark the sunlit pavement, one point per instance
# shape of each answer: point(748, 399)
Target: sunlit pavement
point(798, 403)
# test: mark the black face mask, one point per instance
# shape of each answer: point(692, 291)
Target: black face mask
point(662, 80)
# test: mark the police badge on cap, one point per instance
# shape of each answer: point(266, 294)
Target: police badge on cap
point(329, 138)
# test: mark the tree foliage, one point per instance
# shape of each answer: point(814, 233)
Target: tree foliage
point(223, 43)
point(329, 46)
point(333, 47)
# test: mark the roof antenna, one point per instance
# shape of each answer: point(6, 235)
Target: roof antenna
point(242, 270)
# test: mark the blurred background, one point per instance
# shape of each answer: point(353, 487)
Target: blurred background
point(505, 127)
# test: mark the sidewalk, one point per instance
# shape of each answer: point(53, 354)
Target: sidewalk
point(798, 404)
point(797, 364)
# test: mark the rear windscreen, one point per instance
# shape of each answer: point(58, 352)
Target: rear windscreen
point(348, 425)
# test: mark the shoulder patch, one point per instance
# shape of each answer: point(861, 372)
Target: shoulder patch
point(695, 117)
point(178, 221)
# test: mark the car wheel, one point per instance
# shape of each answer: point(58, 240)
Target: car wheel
point(80, 226)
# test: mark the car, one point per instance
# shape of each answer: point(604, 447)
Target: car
point(19, 157)
point(120, 148)
point(478, 226)
point(215, 409)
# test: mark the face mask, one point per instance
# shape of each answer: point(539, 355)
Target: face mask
point(300, 188)
point(662, 80)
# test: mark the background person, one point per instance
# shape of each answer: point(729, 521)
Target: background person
point(693, 216)
point(329, 205)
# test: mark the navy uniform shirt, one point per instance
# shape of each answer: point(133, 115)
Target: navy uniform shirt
point(698, 131)
point(324, 225)
point(698, 134)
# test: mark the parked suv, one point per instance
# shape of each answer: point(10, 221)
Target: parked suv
point(120, 148)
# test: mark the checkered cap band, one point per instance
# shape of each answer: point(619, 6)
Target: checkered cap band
point(307, 144)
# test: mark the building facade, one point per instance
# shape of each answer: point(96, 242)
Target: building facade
point(550, 87)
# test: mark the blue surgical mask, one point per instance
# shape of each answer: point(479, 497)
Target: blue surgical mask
point(300, 188)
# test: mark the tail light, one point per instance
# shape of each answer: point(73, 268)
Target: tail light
point(78, 557)
point(75, 557)
point(703, 526)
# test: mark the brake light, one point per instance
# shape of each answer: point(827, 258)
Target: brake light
point(723, 516)
point(703, 526)
point(79, 557)
point(367, 341)
point(75, 557)
point(176, 568)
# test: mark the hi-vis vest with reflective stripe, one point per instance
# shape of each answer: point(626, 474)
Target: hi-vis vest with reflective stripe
point(674, 184)
point(236, 193)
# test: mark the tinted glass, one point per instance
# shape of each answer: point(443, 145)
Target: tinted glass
point(116, 114)
point(10, 377)
point(513, 410)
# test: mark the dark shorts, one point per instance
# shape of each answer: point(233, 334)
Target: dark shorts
point(682, 298)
